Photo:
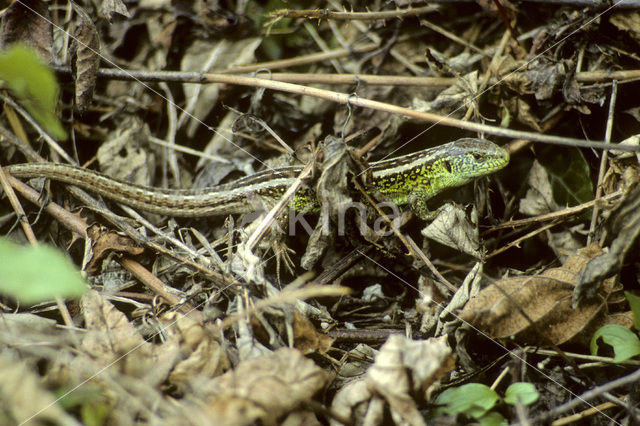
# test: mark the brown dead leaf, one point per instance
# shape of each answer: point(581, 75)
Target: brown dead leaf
point(28, 23)
point(454, 227)
point(85, 59)
point(402, 368)
point(539, 198)
point(200, 353)
point(521, 110)
point(23, 398)
point(448, 101)
point(264, 388)
point(111, 338)
point(624, 319)
point(545, 299)
point(405, 365)
point(107, 242)
point(305, 337)
point(546, 77)
point(623, 226)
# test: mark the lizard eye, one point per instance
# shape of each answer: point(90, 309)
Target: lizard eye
point(477, 157)
point(447, 166)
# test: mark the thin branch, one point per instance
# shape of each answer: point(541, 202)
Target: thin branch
point(352, 16)
point(603, 160)
point(344, 99)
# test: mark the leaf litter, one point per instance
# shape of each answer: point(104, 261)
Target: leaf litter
point(210, 330)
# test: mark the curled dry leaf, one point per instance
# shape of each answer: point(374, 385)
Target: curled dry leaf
point(111, 338)
point(200, 353)
point(85, 59)
point(627, 21)
point(453, 228)
point(539, 197)
point(402, 367)
point(522, 111)
point(623, 226)
point(546, 77)
point(125, 154)
point(405, 365)
point(263, 388)
point(105, 243)
point(112, 341)
point(546, 301)
point(449, 101)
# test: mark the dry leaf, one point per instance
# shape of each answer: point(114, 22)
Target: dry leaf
point(111, 7)
point(539, 198)
point(264, 388)
point(200, 353)
point(623, 227)
point(546, 77)
point(305, 337)
point(628, 21)
point(402, 368)
point(205, 56)
point(85, 59)
point(28, 23)
point(521, 110)
point(451, 227)
point(301, 418)
point(110, 338)
point(404, 365)
point(23, 399)
point(124, 156)
point(544, 298)
point(106, 242)
point(448, 101)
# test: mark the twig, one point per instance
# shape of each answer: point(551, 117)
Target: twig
point(587, 396)
point(603, 160)
point(303, 60)
point(266, 222)
point(352, 16)
point(452, 37)
point(344, 99)
point(17, 207)
point(399, 56)
point(52, 143)
point(560, 213)
point(595, 4)
point(519, 240)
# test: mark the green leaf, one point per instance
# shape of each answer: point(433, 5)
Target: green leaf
point(493, 419)
point(34, 86)
point(472, 399)
point(36, 274)
point(624, 342)
point(569, 175)
point(634, 302)
point(526, 392)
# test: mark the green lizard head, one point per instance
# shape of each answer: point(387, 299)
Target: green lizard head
point(465, 159)
point(426, 173)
